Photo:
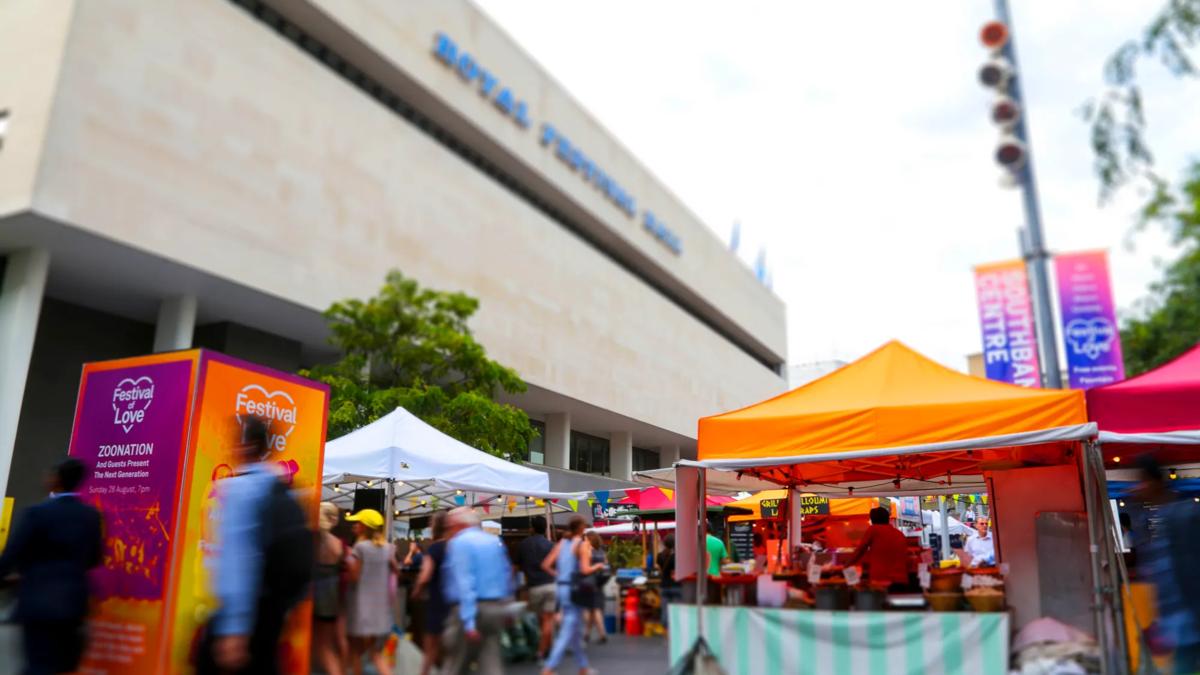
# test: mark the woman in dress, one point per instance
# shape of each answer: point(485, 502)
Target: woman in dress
point(569, 555)
point(329, 630)
point(369, 616)
point(430, 582)
point(593, 617)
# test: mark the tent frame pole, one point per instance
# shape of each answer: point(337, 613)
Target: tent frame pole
point(391, 508)
point(1089, 494)
point(701, 551)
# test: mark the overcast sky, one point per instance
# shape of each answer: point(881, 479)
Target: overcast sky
point(851, 140)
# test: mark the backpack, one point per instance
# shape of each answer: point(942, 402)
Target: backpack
point(289, 548)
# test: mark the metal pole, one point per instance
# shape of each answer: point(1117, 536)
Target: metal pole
point(701, 551)
point(1089, 495)
point(1036, 256)
point(390, 508)
point(945, 528)
point(1114, 562)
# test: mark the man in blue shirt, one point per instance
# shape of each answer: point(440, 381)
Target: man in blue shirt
point(244, 633)
point(478, 586)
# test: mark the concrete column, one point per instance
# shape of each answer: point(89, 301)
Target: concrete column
point(558, 440)
point(668, 455)
point(176, 323)
point(21, 294)
point(620, 455)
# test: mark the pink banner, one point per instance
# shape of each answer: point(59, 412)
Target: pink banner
point(1089, 321)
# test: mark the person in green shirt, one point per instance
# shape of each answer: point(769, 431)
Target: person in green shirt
point(717, 554)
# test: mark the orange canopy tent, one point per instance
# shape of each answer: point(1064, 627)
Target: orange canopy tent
point(894, 422)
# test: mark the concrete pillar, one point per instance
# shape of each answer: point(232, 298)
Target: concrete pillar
point(21, 294)
point(620, 455)
point(668, 455)
point(176, 323)
point(558, 440)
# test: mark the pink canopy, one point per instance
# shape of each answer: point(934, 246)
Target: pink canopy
point(659, 499)
point(1158, 408)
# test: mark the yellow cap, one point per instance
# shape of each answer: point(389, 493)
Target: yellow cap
point(369, 517)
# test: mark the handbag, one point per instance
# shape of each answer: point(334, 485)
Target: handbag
point(583, 586)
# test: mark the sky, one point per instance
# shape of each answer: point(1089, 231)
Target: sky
point(852, 141)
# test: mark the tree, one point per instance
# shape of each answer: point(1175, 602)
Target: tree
point(1167, 323)
point(411, 346)
point(1118, 120)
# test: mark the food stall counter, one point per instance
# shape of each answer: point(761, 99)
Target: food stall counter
point(755, 640)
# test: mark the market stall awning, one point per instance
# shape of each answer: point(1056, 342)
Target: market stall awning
point(662, 499)
point(862, 422)
point(752, 506)
point(716, 482)
point(1157, 408)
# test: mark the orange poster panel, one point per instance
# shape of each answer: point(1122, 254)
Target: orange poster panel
point(230, 390)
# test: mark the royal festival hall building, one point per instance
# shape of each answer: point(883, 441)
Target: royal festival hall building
point(216, 172)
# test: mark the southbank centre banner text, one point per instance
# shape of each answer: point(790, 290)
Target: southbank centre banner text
point(1089, 322)
point(1010, 351)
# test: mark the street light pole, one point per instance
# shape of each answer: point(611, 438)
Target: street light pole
point(1037, 258)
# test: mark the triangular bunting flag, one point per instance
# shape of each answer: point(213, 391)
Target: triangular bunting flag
point(460, 499)
point(574, 504)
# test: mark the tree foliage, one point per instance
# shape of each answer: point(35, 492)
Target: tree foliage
point(1168, 322)
point(411, 347)
point(1117, 117)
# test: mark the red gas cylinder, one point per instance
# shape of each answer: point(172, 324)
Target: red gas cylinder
point(633, 618)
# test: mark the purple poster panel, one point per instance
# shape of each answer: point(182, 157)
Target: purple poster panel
point(130, 424)
point(1089, 320)
point(1010, 351)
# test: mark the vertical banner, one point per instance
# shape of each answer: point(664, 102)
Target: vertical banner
point(1010, 351)
point(130, 430)
point(1089, 319)
point(295, 408)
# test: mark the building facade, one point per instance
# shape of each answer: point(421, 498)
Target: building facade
point(216, 172)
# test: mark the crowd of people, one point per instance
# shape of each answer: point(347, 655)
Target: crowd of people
point(456, 589)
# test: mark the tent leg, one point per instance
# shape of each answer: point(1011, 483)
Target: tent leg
point(549, 520)
point(390, 508)
point(945, 528)
point(1089, 494)
point(701, 551)
point(1117, 578)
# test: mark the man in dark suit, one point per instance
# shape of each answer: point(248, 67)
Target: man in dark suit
point(52, 547)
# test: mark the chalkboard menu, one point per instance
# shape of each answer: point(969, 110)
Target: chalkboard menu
point(741, 539)
point(812, 505)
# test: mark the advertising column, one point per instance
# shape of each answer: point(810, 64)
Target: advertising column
point(1089, 320)
point(1010, 351)
point(131, 429)
point(295, 408)
point(157, 433)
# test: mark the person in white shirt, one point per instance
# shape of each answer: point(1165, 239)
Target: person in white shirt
point(981, 547)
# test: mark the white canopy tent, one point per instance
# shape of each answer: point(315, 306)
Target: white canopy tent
point(425, 467)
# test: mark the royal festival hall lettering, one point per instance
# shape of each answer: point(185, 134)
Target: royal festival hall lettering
point(508, 104)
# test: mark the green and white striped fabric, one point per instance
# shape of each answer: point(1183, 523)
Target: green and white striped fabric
point(756, 640)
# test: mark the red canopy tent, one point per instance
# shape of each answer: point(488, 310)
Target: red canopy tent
point(1157, 411)
point(662, 499)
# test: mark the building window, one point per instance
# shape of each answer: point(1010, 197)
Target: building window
point(537, 444)
point(645, 460)
point(589, 454)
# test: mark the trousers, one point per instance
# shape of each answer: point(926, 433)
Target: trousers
point(460, 652)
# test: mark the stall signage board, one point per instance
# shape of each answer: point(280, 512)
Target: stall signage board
point(812, 505)
point(741, 538)
point(156, 433)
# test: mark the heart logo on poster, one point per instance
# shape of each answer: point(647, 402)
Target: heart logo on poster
point(130, 399)
point(277, 408)
point(1090, 337)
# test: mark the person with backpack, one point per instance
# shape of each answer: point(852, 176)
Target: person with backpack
point(264, 565)
point(571, 564)
point(369, 617)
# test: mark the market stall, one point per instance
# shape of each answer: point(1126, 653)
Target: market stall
point(1156, 412)
point(419, 470)
point(895, 423)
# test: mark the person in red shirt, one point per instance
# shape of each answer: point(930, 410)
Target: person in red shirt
point(883, 552)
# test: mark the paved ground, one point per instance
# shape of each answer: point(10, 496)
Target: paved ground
point(621, 656)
